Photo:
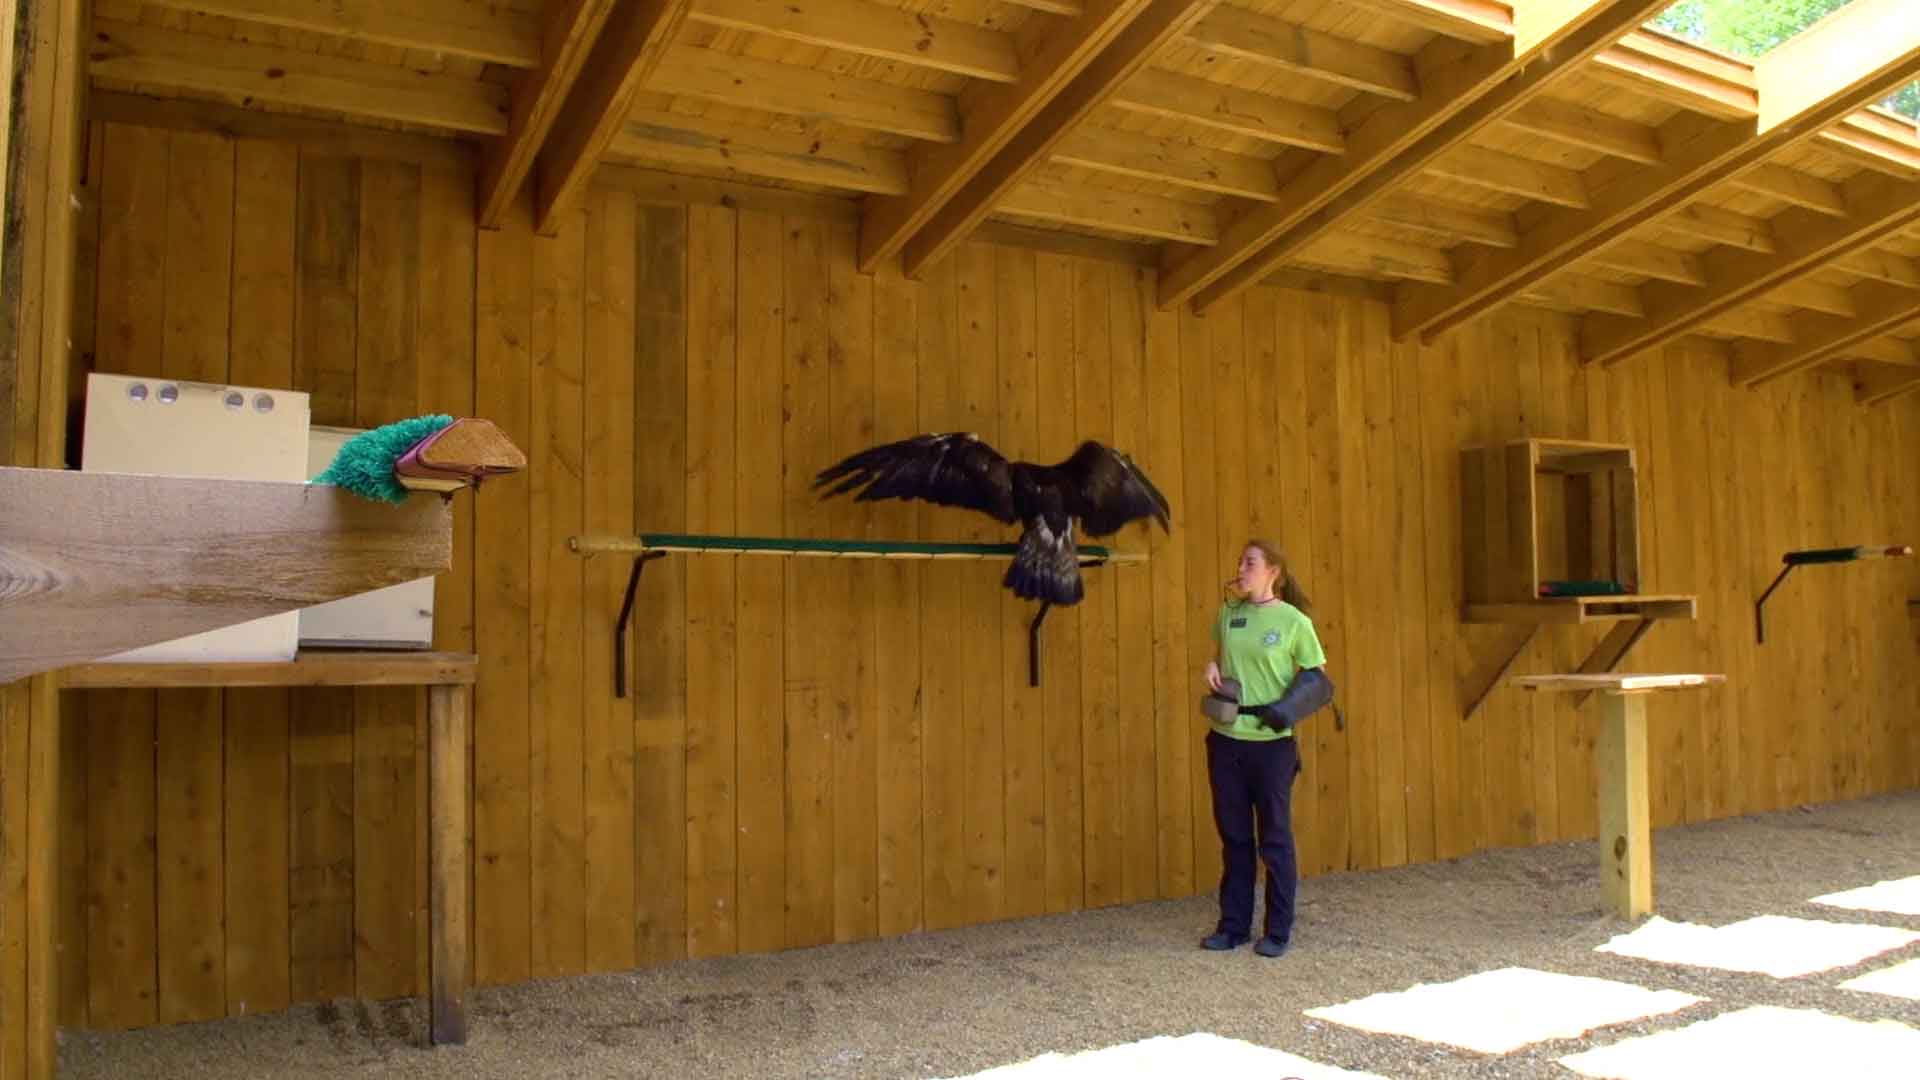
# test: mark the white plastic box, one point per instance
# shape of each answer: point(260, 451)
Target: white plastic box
point(396, 617)
point(171, 427)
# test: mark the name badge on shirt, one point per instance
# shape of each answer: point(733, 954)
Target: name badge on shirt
point(1238, 623)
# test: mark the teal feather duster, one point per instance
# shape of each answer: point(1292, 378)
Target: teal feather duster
point(365, 462)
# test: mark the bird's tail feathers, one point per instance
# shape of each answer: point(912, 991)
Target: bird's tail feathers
point(1046, 566)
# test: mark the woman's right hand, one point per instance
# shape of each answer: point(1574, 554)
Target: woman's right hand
point(1213, 676)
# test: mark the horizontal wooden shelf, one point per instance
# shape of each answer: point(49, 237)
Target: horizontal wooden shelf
point(1584, 609)
point(308, 668)
point(1616, 683)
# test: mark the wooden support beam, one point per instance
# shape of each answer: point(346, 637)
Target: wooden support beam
point(669, 139)
point(1510, 174)
point(96, 564)
point(571, 30)
point(1681, 74)
point(1699, 153)
point(490, 33)
point(788, 90)
point(1793, 188)
point(1879, 308)
point(1240, 34)
point(1378, 257)
point(1662, 264)
point(1876, 140)
point(1708, 222)
point(625, 56)
point(241, 72)
point(1471, 224)
point(1484, 687)
point(874, 30)
point(316, 135)
point(1582, 126)
point(1881, 384)
point(1121, 212)
point(1577, 292)
point(1169, 161)
point(1877, 206)
point(1479, 21)
point(1610, 650)
point(1075, 73)
point(1462, 91)
point(1881, 265)
point(1231, 110)
point(1886, 352)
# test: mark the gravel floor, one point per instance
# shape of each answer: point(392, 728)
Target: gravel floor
point(951, 1003)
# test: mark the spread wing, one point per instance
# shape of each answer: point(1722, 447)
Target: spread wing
point(953, 469)
point(1106, 490)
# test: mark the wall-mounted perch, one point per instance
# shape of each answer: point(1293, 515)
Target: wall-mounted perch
point(1820, 555)
point(649, 546)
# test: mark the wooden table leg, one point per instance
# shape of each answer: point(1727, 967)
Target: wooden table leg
point(449, 713)
point(1626, 842)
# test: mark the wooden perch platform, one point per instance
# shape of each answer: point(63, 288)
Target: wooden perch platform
point(96, 564)
point(1583, 609)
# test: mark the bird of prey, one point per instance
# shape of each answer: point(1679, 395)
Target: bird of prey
point(1099, 487)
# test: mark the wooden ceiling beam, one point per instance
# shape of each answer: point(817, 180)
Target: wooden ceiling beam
point(1881, 384)
point(1012, 131)
point(1120, 212)
point(1877, 205)
point(1893, 351)
point(1378, 257)
point(1453, 222)
point(1698, 153)
point(1239, 34)
point(488, 33)
point(636, 37)
point(1231, 111)
point(1750, 323)
point(571, 31)
point(1879, 308)
point(876, 30)
point(1510, 174)
point(668, 139)
point(1793, 188)
point(1463, 90)
point(1579, 292)
point(1705, 221)
point(1813, 296)
point(1169, 161)
point(1480, 21)
point(235, 70)
point(1581, 126)
point(790, 90)
point(1881, 266)
point(1679, 74)
point(1662, 264)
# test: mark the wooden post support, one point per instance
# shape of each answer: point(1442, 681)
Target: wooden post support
point(1620, 766)
point(1626, 840)
point(448, 717)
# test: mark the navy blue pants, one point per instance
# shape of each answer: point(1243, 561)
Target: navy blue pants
point(1253, 784)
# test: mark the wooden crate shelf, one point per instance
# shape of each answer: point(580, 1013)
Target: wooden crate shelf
point(1545, 517)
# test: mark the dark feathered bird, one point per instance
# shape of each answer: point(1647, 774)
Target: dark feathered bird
point(1097, 490)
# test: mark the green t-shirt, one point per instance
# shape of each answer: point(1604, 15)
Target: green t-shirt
point(1263, 646)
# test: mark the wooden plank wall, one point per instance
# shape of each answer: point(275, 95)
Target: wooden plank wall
point(814, 751)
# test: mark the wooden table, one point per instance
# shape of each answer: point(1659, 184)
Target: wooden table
point(449, 678)
point(1620, 758)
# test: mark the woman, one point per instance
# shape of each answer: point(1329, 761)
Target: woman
point(1268, 645)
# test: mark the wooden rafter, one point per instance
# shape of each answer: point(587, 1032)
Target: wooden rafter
point(1231, 111)
point(570, 34)
point(490, 33)
point(1480, 21)
point(791, 90)
point(625, 56)
point(874, 30)
point(1169, 161)
point(1122, 212)
point(1878, 308)
point(671, 140)
point(954, 191)
point(1457, 100)
point(1239, 34)
point(1804, 240)
point(1682, 75)
point(1699, 153)
point(152, 56)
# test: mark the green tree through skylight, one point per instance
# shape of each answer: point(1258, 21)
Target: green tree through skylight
point(1749, 28)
